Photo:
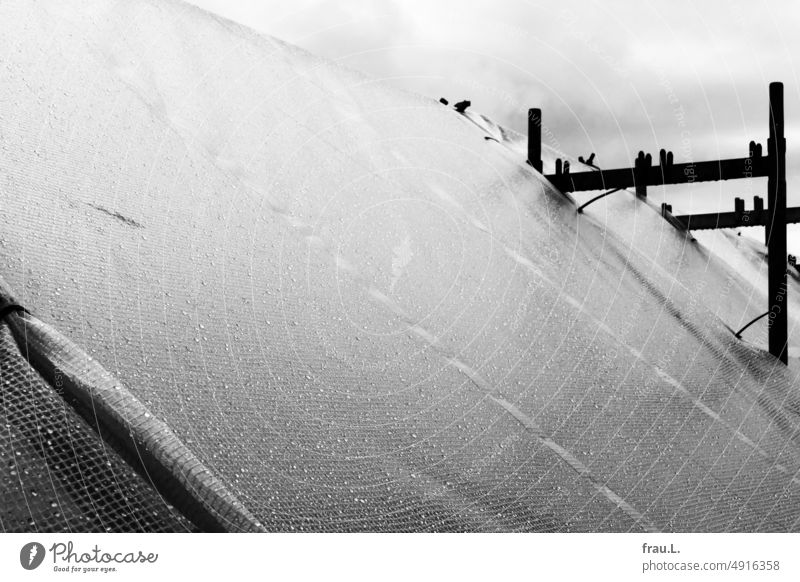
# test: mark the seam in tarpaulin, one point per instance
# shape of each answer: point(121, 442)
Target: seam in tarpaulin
point(145, 441)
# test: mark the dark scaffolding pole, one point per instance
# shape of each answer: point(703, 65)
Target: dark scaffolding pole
point(776, 225)
point(535, 138)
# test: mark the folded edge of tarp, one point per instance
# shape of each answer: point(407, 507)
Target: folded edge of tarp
point(141, 438)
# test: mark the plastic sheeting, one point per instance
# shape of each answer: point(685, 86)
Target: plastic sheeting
point(357, 312)
point(57, 473)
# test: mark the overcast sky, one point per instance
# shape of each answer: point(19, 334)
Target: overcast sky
point(612, 77)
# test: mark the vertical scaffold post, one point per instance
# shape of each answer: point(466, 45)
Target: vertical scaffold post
point(535, 138)
point(641, 167)
point(776, 219)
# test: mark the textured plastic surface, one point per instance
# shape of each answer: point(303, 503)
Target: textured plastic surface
point(57, 474)
point(358, 312)
point(145, 441)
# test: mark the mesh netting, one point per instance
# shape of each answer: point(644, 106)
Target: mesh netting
point(57, 473)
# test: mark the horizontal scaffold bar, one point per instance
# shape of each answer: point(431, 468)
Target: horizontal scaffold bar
point(683, 173)
point(734, 219)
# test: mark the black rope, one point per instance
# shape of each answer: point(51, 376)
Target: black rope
point(603, 195)
point(738, 334)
